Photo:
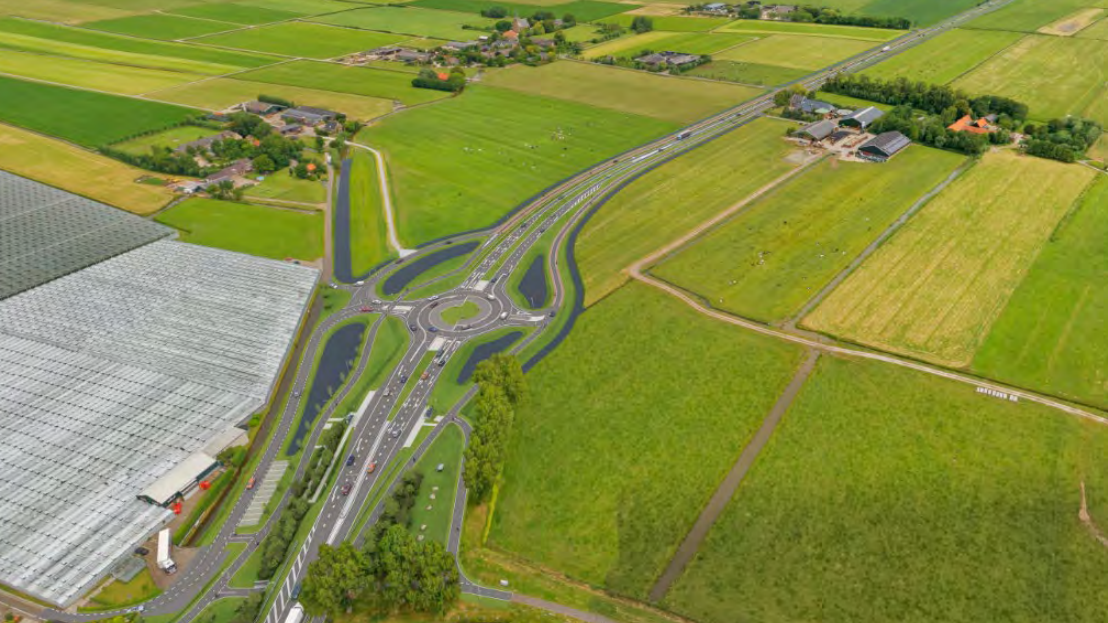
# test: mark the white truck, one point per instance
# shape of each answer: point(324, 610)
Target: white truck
point(165, 563)
point(296, 614)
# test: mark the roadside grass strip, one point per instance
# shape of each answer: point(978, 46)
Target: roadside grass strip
point(946, 57)
point(770, 259)
point(1054, 76)
point(669, 98)
point(890, 495)
point(369, 244)
point(265, 231)
point(223, 93)
point(434, 507)
point(109, 77)
point(79, 171)
point(433, 153)
point(411, 21)
point(622, 475)
point(933, 291)
point(1050, 336)
point(821, 30)
point(161, 26)
point(302, 39)
point(388, 85)
point(796, 51)
point(673, 198)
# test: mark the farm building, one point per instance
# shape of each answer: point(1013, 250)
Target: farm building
point(520, 24)
point(809, 106)
point(715, 7)
point(261, 108)
point(204, 144)
point(984, 125)
point(309, 116)
point(819, 130)
point(413, 56)
point(883, 146)
point(862, 118)
point(459, 46)
point(669, 59)
point(237, 168)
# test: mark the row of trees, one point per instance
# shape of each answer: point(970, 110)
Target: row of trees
point(930, 98)
point(499, 12)
point(1061, 139)
point(502, 389)
point(825, 15)
point(455, 81)
point(932, 130)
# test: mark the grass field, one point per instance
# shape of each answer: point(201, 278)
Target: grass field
point(583, 10)
point(1098, 30)
point(621, 476)
point(945, 57)
point(99, 46)
point(369, 245)
point(447, 451)
point(222, 93)
point(451, 175)
point(798, 52)
point(388, 85)
point(921, 12)
point(118, 594)
point(1029, 15)
point(78, 171)
point(773, 257)
point(796, 28)
point(91, 75)
point(258, 230)
point(1072, 24)
point(672, 199)
point(281, 185)
point(66, 11)
point(690, 43)
point(302, 39)
point(668, 98)
point(236, 13)
point(104, 118)
point(1050, 335)
point(673, 23)
point(412, 21)
point(458, 313)
point(449, 390)
point(172, 138)
point(161, 26)
point(889, 495)
point(305, 7)
point(934, 290)
point(1055, 76)
point(748, 73)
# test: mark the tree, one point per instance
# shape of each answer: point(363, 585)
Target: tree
point(503, 26)
point(264, 164)
point(410, 575)
point(334, 580)
point(495, 12)
point(642, 24)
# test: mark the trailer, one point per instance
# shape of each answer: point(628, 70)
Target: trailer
point(165, 563)
point(296, 614)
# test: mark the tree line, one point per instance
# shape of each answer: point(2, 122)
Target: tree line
point(455, 82)
point(1061, 139)
point(501, 389)
point(931, 98)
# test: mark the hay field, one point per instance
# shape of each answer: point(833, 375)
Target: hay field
point(78, 171)
point(691, 43)
point(161, 26)
point(390, 85)
point(769, 260)
point(1098, 30)
point(669, 98)
point(221, 93)
point(1073, 24)
point(671, 23)
point(1055, 76)
point(821, 30)
point(934, 290)
point(796, 51)
point(748, 73)
point(302, 39)
point(63, 11)
point(237, 13)
point(946, 57)
point(411, 21)
point(1030, 15)
point(109, 77)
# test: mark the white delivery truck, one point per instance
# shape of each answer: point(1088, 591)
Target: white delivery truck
point(296, 614)
point(165, 563)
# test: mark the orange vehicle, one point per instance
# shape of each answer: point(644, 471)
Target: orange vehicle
point(372, 466)
point(250, 485)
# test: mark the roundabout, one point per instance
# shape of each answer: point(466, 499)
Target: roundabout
point(462, 312)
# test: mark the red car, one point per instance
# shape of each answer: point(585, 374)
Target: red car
point(250, 485)
point(367, 309)
point(346, 488)
point(372, 466)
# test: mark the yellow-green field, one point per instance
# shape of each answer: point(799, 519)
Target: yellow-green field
point(1072, 24)
point(945, 57)
point(65, 11)
point(822, 30)
point(78, 171)
point(933, 291)
point(670, 98)
point(221, 93)
point(691, 43)
point(796, 51)
point(1098, 30)
point(109, 77)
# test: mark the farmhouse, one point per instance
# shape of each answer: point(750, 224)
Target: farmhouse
point(819, 130)
point(520, 24)
point(809, 106)
point(308, 115)
point(984, 125)
point(862, 118)
point(670, 59)
point(237, 168)
point(883, 146)
point(261, 109)
point(458, 46)
point(205, 144)
point(715, 7)
point(413, 56)
point(773, 11)
point(511, 35)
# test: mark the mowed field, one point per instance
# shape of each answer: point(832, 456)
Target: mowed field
point(623, 441)
point(66, 11)
point(109, 77)
point(354, 80)
point(161, 26)
point(672, 199)
point(78, 171)
point(243, 14)
point(171, 138)
point(410, 21)
point(1072, 24)
point(103, 119)
point(275, 233)
point(1098, 30)
point(934, 290)
point(663, 97)
point(672, 23)
point(945, 57)
point(302, 39)
point(760, 28)
point(769, 260)
point(451, 175)
point(583, 10)
point(369, 244)
point(796, 51)
point(748, 73)
point(891, 495)
point(1030, 15)
point(221, 93)
point(1051, 334)
point(690, 43)
point(1055, 76)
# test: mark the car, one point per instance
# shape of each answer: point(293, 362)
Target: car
point(449, 242)
point(346, 487)
point(296, 394)
point(423, 377)
point(376, 301)
point(359, 283)
point(296, 591)
point(553, 313)
point(395, 433)
point(141, 551)
point(464, 327)
point(367, 309)
point(350, 460)
point(432, 305)
point(435, 297)
point(490, 296)
point(494, 278)
point(372, 466)
point(412, 327)
point(404, 378)
point(433, 329)
point(250, 485)
point(503, 315)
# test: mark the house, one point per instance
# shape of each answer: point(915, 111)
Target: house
point(520, 24)
point(261, 109)
point(862, 118)
point(458, 46)
point(715, 7)
point(510, 35)
point(204, 145)
point(413, 56)
point(819, 130)
point(777, 10)
point(237, 168)
point(883, 146)
point(809, 106)
point(307, 115)
point(984, 125)
point(670, 59)
point(545, 44)
point(290, 129)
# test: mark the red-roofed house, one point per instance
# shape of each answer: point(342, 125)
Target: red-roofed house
point(511, 34)
point(443, 76)
point(968, 124)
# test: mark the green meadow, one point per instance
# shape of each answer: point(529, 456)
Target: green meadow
point(412, 21)
point(302, 39)
point(161, 26)
point(583, 10)
point(275, 233)
point(109, 77)
point(389, 85)
point(946, 57)
point(236, 13)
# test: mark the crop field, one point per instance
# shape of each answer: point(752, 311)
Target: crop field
point(1030, 15)
point(434, 151)
point(221, 93)
point(305, 7)
point(78, 171)
point(1072, 24)
point(282, 186)
point(583, 10)
point(673, 23)
point(769, 260)
point(65, 11)
point(890, 495)
point(104, 118)
point(388, 85)
point(171, 138)
point(302, 39)
point(759, 27)
point(748, 73)
point(161, 26)
point(672, 199)
point(258, 230)
point(90, 74)
point(798, 52)
point(622, 476)
point(921, 12)
point(669, 98)
point(100, 46)
point(411, 21)
point(1051, 334)
point(369, 245)
point(691, 43)
point(934, 290)
point(236, 13)
point(946, 57)
point(1055, 76)
point(1098, 30)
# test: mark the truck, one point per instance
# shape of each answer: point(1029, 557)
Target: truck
point(296, 613)
point(165, 563)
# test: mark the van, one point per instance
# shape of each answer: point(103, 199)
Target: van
point(503, 315)
point(491, 296)
point(388, 392)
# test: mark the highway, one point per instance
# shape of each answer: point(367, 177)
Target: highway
point(374, 438)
